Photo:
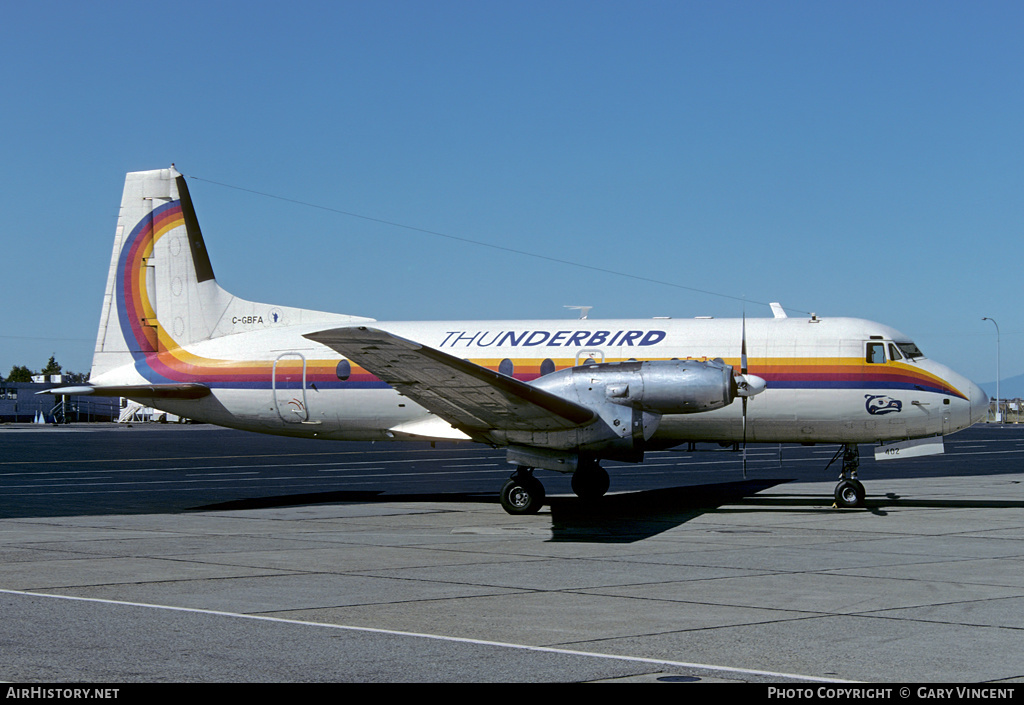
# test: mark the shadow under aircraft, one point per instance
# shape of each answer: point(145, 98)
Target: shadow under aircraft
point(615, 518)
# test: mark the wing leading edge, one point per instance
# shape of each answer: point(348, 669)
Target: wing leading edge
point(472, 398)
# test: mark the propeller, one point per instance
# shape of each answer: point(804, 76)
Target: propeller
point(747, 385)
point(743, 373)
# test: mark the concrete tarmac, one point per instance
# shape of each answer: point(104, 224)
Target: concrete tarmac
point(680, 585)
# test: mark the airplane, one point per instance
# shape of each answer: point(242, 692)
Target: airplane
point(560, 395)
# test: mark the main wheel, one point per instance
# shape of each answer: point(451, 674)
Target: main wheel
point(522, 494)
point(590, 482)
point(849, 494)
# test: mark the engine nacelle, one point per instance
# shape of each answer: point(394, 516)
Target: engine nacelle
point(630, 399)
point(659, 386)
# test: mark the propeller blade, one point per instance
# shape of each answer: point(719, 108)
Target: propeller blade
point(743, 346)
point(746, 383)
point(744, 438)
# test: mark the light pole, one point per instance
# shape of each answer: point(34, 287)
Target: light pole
point(999, 416)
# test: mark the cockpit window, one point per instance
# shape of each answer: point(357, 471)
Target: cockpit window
point(876, 353)
point(894, 353)
point(910, 350)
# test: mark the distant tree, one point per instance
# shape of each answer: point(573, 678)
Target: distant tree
point(20, 374)
point(52, 367)
point(76, 377)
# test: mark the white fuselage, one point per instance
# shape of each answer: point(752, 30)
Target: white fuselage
point(821, 386)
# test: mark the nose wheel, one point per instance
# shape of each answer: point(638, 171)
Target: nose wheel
point(849, 492)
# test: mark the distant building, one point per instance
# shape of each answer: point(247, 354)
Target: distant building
point(43, 379)
point(1010, 410)
point(19, 403)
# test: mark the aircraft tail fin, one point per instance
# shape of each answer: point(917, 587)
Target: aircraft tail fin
point(161, 294)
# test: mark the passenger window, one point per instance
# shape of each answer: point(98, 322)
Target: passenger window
point(876, 353)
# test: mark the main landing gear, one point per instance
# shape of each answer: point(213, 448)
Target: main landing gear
point(522, 493)
point(849, 492)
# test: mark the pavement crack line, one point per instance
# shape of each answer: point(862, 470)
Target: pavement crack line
point(438, 637)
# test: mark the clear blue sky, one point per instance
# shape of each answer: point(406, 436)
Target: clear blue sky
point(852, 159)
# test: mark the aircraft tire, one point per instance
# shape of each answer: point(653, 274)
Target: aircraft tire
point(589, 483)
point(522, 494)
point(849, 494)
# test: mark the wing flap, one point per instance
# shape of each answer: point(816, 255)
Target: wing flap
point(473, 398)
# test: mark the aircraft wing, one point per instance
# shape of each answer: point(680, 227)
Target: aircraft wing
point(470, 397)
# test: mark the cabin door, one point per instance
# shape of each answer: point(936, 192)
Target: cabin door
point(289, 384)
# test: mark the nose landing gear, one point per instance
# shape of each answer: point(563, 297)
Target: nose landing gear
point(849, 492)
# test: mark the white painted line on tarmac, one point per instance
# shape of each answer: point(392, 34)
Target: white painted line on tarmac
point(438, 637)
